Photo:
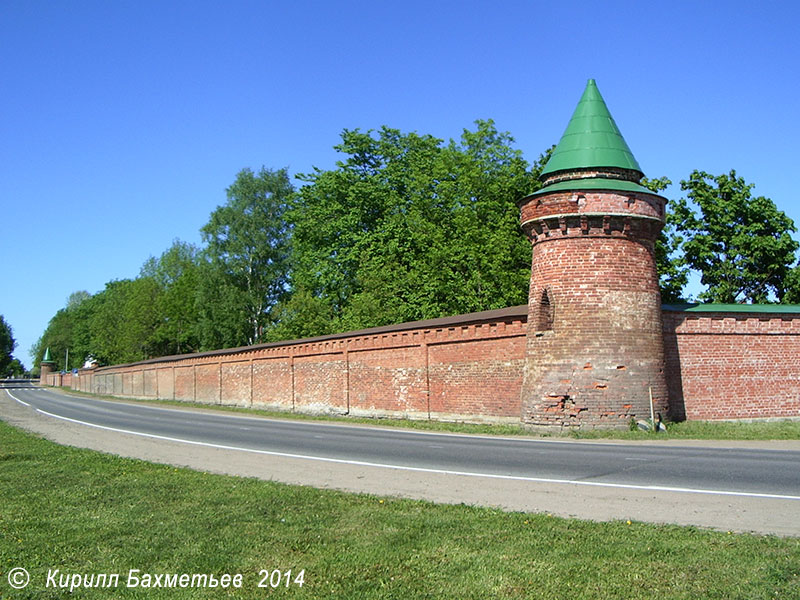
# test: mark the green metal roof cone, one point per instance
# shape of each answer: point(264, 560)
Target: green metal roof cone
point(592, 139)
point(47, 356)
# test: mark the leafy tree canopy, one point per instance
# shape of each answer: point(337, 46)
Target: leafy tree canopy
point(7, 345)
point(408, 227)
point(177, 273)
point(16, 368)
point(793, 286)
point(673, 274)
point(248, 245)
point(76, 298)
point(741, 244)
point(116, 325)
point(122, 322)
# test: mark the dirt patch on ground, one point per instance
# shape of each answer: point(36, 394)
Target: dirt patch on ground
point(731, 513)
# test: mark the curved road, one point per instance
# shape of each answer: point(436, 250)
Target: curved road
point(717, 474)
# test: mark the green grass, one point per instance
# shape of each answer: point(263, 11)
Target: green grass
point(712, 430)
point(84, 512)
point(698, 430)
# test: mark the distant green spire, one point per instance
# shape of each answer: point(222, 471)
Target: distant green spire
point(592, 139)
point(47, 356)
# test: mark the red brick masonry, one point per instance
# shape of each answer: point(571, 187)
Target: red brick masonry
point(732, 365)
point(719, 366)
point(595, 353)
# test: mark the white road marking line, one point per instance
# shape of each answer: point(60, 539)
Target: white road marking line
point(17, 399)
point(397, 430)
point(652, 488)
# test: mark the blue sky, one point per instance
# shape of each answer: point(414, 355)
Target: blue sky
point(122, 123)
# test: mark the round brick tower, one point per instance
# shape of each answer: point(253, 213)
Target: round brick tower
point(46, 367)
point(595, 350)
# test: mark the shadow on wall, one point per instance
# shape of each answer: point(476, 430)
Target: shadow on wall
point(672, 366)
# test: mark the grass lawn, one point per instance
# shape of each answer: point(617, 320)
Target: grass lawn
point(87, 513)
point(698, 430)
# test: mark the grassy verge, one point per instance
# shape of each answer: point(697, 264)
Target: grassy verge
point(772, 430)
point(708, 430)
point(83, 512)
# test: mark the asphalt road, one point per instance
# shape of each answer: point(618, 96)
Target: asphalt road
point(754, 473)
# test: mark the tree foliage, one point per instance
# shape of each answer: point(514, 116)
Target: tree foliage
point(126, 308)
point(793, 286)
point(248, 244)
point(67, 330)
point(15, 368)
point(7, 345)
point(116, 325)
point(76, 298)
point(177, 274)
point(741, 244)
point(673, 274)
point(225, 313)
point(408, 227)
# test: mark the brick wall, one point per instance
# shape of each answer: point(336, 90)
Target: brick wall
point(723, 365)
point(718, 366)
point(467, 367)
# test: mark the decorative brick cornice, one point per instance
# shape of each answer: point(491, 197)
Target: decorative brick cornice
point(593, 173)
point(676, 323)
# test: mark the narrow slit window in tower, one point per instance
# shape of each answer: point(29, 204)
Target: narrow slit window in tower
point(545, 317)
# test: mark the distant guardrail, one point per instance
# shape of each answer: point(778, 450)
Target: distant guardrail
point(14, 383)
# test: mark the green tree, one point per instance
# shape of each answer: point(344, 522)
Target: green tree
point(224, 309)
point(673, 274)
point(16, 368)
point(77, 298)
point(67, 331)
point(123, 321)
point(301, 315)
point(740, 244)
point(248, 250)
point(177, 273)
point(7, 345)
point(58, 337)
point(793, 286)
point(408, 227)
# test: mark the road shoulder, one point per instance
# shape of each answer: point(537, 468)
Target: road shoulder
point(731, 513)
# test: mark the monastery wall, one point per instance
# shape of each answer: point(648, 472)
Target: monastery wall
point(719, 365)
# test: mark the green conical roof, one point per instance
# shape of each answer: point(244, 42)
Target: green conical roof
point(592, 139)
point(47, 356)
